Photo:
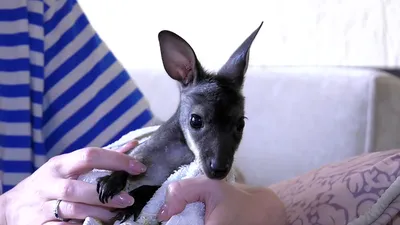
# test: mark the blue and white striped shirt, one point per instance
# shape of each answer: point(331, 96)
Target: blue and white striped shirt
point(61, 88)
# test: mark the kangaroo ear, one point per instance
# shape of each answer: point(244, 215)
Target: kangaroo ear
point(178, 57)
point(236, 66)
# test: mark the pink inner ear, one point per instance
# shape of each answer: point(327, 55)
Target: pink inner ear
point(181, 73)
point(178, 60)
point(184, 70)
point(181, 63)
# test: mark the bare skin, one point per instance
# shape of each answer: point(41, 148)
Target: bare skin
point(225, 202)
point(80, 199)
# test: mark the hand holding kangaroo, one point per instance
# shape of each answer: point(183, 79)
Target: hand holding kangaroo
point(207, 126)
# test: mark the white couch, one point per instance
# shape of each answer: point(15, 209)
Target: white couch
point(301, 118)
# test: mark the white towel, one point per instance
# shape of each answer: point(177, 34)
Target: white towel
point(193, 213)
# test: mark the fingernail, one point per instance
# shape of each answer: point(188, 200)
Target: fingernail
point(162, 215)
point(124, 199)
point(137, 167)
point(133, 144)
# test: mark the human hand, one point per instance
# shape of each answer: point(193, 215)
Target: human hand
point(225, 203)
point(33, 200)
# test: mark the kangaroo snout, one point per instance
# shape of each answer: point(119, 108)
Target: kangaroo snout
point(217, 168)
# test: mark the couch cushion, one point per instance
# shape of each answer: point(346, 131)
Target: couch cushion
point(340, 192)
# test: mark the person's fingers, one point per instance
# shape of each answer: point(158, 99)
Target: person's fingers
point(214, 223)
point(83, 192)
point(76, 211)
point(186, 191)
point(59, 223)
point(82, 161)
point(128, 146)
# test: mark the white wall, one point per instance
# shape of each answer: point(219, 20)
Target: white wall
point(295, 32)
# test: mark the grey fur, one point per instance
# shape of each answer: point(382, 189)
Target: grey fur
point(215, 98)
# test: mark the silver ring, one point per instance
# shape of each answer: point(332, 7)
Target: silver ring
point(56, 212)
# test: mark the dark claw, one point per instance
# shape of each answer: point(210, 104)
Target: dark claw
point(111, 185)
point(142, 195)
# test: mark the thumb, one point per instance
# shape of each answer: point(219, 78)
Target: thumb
point(181, 193)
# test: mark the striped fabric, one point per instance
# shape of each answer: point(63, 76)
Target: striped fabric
point(61, 88)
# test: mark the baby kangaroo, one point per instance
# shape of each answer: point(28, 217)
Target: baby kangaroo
point(207, 125)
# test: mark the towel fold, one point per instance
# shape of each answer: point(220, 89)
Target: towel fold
point(193, 212)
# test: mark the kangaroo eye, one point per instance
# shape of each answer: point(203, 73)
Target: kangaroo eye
point(240, 124)
point(195, 121)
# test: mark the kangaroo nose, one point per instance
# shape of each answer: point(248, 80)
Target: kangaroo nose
point(218, 169)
